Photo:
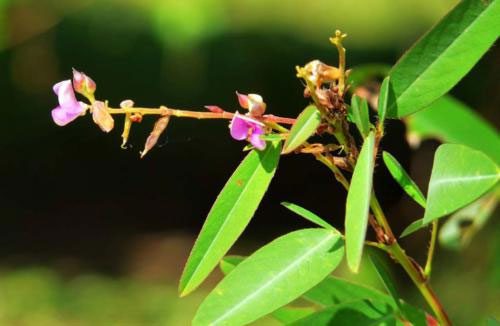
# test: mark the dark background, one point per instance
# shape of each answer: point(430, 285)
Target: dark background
point(73, 203)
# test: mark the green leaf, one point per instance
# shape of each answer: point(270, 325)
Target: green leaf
point(413, 227)
point(308, 215)
point(288, 315)
point(443, 56)
point(273, 276)
point(358, 203)
point(459, 176)
point(359, 313)
point(333, 290)
point(459, 229)
point(383, 100)
point(451, 121)
point(403, 179)
point(360, 115)
point(305, 126)
point(228, 263)
point(230, 214)
point(385, 276)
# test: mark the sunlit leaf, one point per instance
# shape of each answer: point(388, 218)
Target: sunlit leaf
point(403, 179)
point(308, 215)
point(459, 176)
point(451, 121)
point(358, 203)
point(459, 229)
point(272, 277)
point(360, 115)
point(230, 214)
point(305, 126)
point(443, 56)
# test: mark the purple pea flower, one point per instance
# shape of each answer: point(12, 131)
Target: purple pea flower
point(243, 127)
point(69, 108)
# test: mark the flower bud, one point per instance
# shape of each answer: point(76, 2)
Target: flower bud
point(253, 102)
point(83, 84)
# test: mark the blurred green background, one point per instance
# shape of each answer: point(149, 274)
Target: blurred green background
point(91, 235)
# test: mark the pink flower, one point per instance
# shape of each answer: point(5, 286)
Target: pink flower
point(83, 84)
point(69, 108)
point(243, 127)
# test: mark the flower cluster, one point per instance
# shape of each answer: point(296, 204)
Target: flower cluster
point(250, 126)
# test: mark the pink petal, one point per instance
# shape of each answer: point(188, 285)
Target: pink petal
point(256, 141)
point(62, 117)
point(239, 127)
point(66, 96)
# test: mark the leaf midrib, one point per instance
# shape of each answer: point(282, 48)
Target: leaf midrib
point(440, 56)
point(227, 219)
point(278, 276)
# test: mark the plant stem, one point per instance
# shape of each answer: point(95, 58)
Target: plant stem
point(432, 248)
point(420, 282)
point(163, 110)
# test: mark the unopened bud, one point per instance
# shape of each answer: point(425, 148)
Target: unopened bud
point(253, 102)
point(83, 84)
point(126, 104)
point(136, 117)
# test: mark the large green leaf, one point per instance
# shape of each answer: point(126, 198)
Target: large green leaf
point(305, 126)
point(272, 277)
point(230, 214)
point(359, 313)
point(288, 315)
point(358, 203)
point(459, 176)
point(443, 56)
point(451, 121)
point(308, 215)
point(403, 179)
point(360, 115)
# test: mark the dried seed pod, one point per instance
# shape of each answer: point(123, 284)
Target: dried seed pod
point(101, 116)
point(158, 128)
point(126, 130)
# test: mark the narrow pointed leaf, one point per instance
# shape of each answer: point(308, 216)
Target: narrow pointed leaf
point(383, 100)
point(459, 176)
point(305, 126)
point(443, 56)
point(360, 115)
point(413, 227)
point(403, 179)
point(308, 215)
point(230, 214)
point(272, 277)
point(358, 203)
point(451, 121)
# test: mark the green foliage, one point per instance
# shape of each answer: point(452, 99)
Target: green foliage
point(273, 276)
point(358, 203)
point(403, 179)
point(360, 115)
point(230, 214)
point(459, 176)
point(385, 276)
point(443, 56)
point(383, 100)
point(289, 315)
point(451, 121)
point(305, 126)
point(308, 215)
